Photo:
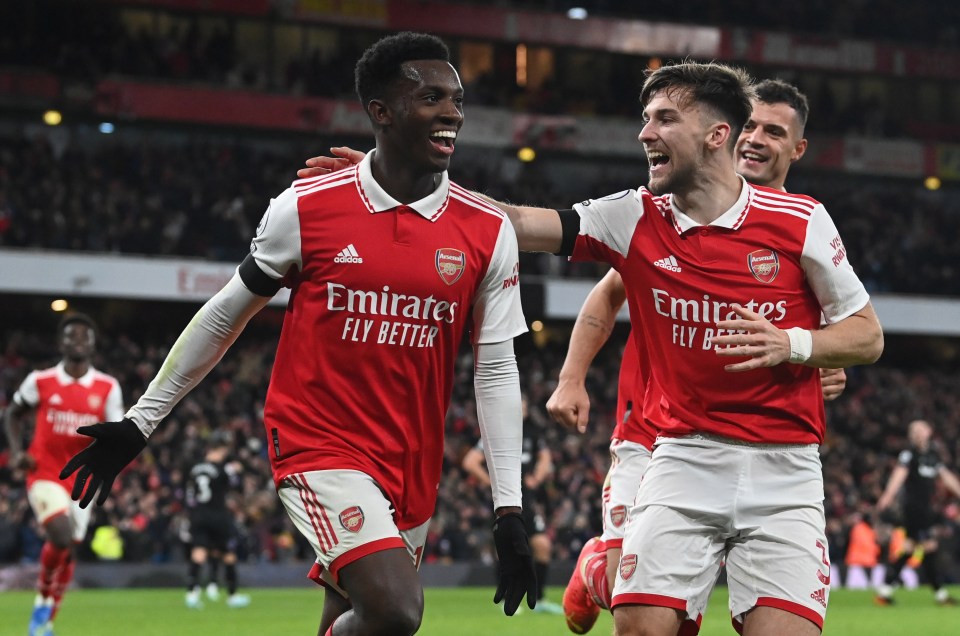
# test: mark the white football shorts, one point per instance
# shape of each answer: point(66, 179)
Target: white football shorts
point(49, 499)
point(705, 499)
point(628, 460)
point(345, 516)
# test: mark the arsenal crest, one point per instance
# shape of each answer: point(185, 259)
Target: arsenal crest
point(764, 265)
point(628, 565)
point(450, 264)
point(94, 401)
point(352, 519)
point(618, 514)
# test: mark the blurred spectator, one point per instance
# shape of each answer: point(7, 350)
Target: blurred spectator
point(863, 553)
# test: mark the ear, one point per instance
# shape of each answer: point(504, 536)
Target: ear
point(379, 113)
point(717, 135)
point(798, 150)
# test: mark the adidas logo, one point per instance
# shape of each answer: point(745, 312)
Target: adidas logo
point(348, 255)
point(56, 399)
point(820, 596)
point(668, 263)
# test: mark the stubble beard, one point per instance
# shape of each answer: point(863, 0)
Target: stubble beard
point(677, 182)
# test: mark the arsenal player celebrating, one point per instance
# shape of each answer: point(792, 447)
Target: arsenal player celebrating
point(771, 141)
point(65, 397)
point(390, 265)
point(714, 269)
point(726, 284)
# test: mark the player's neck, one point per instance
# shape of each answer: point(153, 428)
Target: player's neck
point(712, 195)
point(776, 184)
point(76, 368)
point(401, 181)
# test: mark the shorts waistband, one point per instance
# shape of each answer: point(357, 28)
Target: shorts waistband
point(720, 439)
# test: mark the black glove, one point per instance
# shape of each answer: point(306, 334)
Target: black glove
point(517, 576)
point(115, 444)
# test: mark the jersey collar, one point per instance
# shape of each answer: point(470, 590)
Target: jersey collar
point(732, 219)
point(86, 380)
point(377, 200)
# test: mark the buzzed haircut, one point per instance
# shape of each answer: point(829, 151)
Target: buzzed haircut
point(726, 90)
point(776, 91)
point(76, 318)
point(379, 66)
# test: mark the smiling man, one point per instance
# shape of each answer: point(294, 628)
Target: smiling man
point(771, 141)
point(726, 284)
point(390, 265)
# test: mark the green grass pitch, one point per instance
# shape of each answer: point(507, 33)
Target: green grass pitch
point(449, 611)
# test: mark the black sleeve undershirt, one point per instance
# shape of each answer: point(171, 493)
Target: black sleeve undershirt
point(570, 221)
point(255, 280)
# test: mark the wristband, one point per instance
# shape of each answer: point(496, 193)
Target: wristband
point(801, 344)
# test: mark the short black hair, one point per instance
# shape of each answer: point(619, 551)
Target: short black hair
point(727, 90)
point(380, 64)
point(76, 318)
point(776, 91)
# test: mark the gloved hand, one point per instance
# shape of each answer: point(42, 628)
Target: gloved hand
point(115, 444)
point(517, 576)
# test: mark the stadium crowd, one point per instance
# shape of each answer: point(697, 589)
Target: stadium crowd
point(204, 198)
point(877, 20)
point(867, 427)
point(82, 43)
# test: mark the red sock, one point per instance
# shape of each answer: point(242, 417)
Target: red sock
point(596, 580)
point(52, 560)
point(62, 583)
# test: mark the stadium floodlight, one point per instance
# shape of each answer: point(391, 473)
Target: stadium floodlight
point(59, 305)
point(932, 183)
point(52, 117)
point(577, 13)
point(106, 128)
point(526, 154)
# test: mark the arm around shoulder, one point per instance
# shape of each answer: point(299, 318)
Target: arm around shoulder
point(537, 229)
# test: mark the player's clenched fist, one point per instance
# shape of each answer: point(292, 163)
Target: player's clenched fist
point(115, 444)
point(570, 405)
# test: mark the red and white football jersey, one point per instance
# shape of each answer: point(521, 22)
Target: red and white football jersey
point(774, 253)
point(632, 386)
point(64, 404)
point(382, 295)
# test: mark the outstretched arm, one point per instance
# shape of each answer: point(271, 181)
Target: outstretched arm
point(950, 481)
point(198, 349)
point(538, 229)
point(897, 478)
point(570, 404)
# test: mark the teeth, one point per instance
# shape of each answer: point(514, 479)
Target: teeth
point(446, 134)
point(653, 154)
point(753, 156)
